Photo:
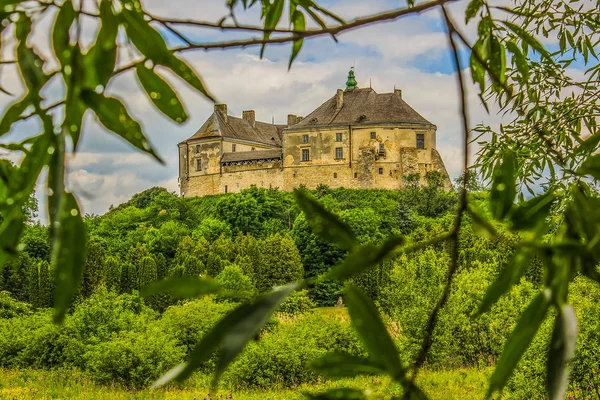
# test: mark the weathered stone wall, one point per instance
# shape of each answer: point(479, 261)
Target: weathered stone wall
point(362, 164)
point(242, 146)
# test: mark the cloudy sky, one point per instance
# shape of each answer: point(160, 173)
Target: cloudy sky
point(410, 53)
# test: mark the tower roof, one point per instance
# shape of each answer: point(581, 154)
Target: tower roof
point(363, 107)
point(351, 82)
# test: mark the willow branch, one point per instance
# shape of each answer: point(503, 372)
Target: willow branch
point(333, 30)
point(462, 208)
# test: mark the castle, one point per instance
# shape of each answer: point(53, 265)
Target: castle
point(356, 139)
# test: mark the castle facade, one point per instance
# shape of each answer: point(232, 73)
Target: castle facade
point(356, 139)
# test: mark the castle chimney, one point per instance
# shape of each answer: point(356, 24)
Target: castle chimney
point(250, 116)
point(292, 119)
point(339, 99)
point(221, 108)
point(398, 92)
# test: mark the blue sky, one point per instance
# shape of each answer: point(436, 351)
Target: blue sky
point(410, 54)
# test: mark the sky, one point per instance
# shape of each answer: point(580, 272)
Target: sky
point(410, 53)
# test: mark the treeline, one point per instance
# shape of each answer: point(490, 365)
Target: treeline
point(258, 237)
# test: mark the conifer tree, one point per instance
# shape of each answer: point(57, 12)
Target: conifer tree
point(93, 270)
point(162, 269)
point(34, 284)
point(136, 254)
point(280, 262)
point(113, 274)
point(192, 266)
point(147, 272)
point(185, 248)
point(214, 264)
point(46, 285)
point(129, 278)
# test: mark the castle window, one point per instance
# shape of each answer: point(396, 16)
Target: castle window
point(233, 147)
point(380, 171)
point(339, 153)
point(198, 164)
point(305, 155)
point(338, 137)
point(253, 149)
point(335, 175)
point(420, 141)
point(373, 135)
point(356, 174)
point(225, 188)
point(381, 148)
point(198, 147)
point(304, 138)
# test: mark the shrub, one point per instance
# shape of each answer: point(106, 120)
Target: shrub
point(239, 286)
point(211, 229)
point(11, 308)
point(133, 359)
point(297, 303)
point(280, 263)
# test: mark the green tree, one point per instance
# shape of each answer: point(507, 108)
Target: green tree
point(192, 266)
point(239, 286)
point(210, 229)
point(113, 274)
point(33, 279)
point(46, 285)
point(94, 269)
point(280, 262)
point(129, 278)
point(162, 269)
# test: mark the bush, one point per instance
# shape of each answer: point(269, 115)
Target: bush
point(239, 286)
point(133, 359)
point(282, 356)
point(190, 321)
point(297, 303)
point(11, 308)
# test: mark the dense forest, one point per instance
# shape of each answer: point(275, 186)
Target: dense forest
point(255, 240)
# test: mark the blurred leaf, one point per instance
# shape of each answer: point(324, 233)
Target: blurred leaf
point(10, 234)
point(591, 166)
point(338, 394)
point(533, 212)
point(68, 255)
point(231, 334)
point(161, 94)
point(527, 38)
point(152, 45)
point(30, 64)
point(272, 12)
point(589, 144)
point(562, 349)
point(480, 221)
point(113, 115)
point(299, 25)
point(519, 59)
point(497, 61)
point(509, 276)
point(101, 59)
point(182, 288)
point(373, 333)
point(519, 341)
point(13, 114)
point(338, 365)
point(325, 224)
point(364, 257)
point(472, 9)
point(503, 190)
point(60, 33)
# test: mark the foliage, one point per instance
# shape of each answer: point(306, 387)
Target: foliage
point(280, 263)
point(233, 280)
point(94, 270)
point(298, 303)
point(10, 308)
point(211, 229)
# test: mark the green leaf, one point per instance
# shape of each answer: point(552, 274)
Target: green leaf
point(161, 94)
point(497, 61)
point(472, 9)
point(273, 12)
point(509, 276)
point(365, 257)
point(152, 45)
point(562, 349)
point(231, 334)
point(503, 190)
point(299, 25)
point(30, 64)
point(113, 115)
point(60, 32)
point(480, 221)
point(530, 214)
point(373, 333)
point(13, 114)
point(589, 144)
point(182, 288)
point(338, 365)
point(68, 255)
point(338, 394)
point(10, 234)
point(101, 59)
point(519, 59)
point(591, 166)
point(325, 224)
point(527, 38)
point(519, 340)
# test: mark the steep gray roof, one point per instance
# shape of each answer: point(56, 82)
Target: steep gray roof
point(252, 155)
point(238, 128)
point(363, 107)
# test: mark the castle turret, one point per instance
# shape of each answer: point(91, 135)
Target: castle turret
point(351, 83)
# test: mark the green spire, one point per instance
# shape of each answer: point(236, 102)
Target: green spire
point(351, 82)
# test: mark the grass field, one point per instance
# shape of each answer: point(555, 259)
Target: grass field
point(70, 384)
